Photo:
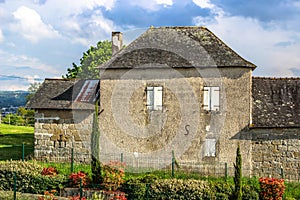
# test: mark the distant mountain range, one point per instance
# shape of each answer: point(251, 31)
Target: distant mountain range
point(12, 98)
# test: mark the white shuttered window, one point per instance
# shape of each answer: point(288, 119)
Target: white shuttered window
point(154, 98)
point(210, 148)
point(211, 98)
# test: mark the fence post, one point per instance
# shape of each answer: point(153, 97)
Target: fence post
point(23, 151)
point(226, 171)
point(282, 172)
point(173, 163)
point(147, 191)
point(80, 188)
point(15, 186)
point(72, 160)
point(122, 158)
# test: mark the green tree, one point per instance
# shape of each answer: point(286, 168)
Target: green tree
point(13, 119)
point(32, 90)
point(95, 164)
point(90, 61)
point(27, 115)
point(237, 195)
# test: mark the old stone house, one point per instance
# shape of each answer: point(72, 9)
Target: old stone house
point(181, 90)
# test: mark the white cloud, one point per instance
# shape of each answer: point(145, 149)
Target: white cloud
point(13, 85)
point(165, 2)
point(1, 36)
point(257, 44)
point(32, 79)
point(7, 59)
point(204, 4)
point(95, 28)
point(31, 26)
point(151, 5)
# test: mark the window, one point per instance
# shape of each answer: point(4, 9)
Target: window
point(154, 98)
point(211, 98)
point(210, 148)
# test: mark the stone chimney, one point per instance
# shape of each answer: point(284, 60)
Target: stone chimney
point(117, 42)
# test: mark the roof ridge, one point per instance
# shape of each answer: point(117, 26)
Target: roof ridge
point(276, 78)
point(178, 27)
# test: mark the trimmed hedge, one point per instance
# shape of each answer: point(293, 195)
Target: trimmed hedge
point(140, 188)
point(28, 183)
point(28, 178)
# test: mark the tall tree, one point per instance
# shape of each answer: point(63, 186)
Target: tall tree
point(90, 60)
point(237, 195)
point(32, 90)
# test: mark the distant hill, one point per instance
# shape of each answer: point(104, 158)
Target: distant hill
point(12, 98)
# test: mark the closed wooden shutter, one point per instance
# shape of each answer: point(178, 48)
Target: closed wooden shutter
point(158, 98)
point(206, 98)
point(215, 99)
point(150, 98)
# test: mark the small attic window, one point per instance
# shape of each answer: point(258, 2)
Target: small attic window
point(154, 98)
point(211, 98)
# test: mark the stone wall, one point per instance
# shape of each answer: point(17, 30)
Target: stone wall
point(276, 149)
point(183, 125)
point(54, 139)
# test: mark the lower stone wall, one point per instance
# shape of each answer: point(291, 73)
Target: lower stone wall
point(55, 139)
point(276, 152)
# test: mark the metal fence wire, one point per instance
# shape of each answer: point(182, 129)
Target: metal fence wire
point(143, 163)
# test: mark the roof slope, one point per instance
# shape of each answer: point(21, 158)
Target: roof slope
point(177, 47)
point(65, 94)
point(276, 102)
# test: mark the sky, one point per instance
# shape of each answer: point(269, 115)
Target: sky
point(42, 38)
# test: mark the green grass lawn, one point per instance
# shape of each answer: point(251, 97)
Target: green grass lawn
point(11, 140)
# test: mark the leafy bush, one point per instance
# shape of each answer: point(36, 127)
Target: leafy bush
point(113, 175)
point(180, 189)
point(75, 179)
point(292, 190)
point(22, 167)
point(136, 188)
point(28, 177)
point(250, 193)
point(29, 183)
point(49, 171)
point(271, 188)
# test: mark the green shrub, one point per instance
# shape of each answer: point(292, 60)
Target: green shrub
point(28, 177)
point(29, 183)
point(20, 166)
point(136, 187)
point(292, 190)
point(180, 189)
point(250, 192)
point(271, 188)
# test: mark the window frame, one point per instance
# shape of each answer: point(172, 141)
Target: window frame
point(211, 98)
point(154, 98)
point(210, 147)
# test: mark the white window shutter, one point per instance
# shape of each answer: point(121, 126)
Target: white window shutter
point(206, 98)
point(215, 98)
point(210, 148)
point(158, 98)
point(150, 98)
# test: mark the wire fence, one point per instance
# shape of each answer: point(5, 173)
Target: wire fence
point(144, 164)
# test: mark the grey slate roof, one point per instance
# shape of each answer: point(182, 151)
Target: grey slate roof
point(65, 94)
point(276, 102)
point(177, 47)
